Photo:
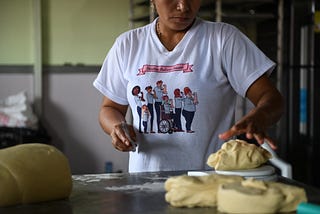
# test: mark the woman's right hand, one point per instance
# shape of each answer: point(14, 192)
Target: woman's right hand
point(123, 137)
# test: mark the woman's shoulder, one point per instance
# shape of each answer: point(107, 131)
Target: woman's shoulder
point(218, 31)
point(136, 34)
point(217, 26)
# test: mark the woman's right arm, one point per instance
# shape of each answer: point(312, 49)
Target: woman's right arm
point(112, 119)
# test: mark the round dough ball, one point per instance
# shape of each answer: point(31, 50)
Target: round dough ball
point(32, 173)
point(9, 190)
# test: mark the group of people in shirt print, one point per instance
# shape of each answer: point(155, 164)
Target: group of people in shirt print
point(166, 108)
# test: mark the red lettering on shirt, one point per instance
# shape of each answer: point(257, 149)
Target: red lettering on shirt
point(185, 67)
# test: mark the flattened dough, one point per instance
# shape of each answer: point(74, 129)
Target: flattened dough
point(195, 191)
point(238, 154)
point(256, 196)
point(32, 173)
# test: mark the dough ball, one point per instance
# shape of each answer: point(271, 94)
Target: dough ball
point(238, 154)
point(195, 191)
point(257, 196)
point(32, 173)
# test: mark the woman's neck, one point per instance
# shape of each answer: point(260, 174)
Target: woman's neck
point(169, 39)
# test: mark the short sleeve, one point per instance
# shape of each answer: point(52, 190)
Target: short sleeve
point(111, 81)
point(242, 60)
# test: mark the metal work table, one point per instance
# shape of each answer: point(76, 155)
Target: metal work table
point(124, 193)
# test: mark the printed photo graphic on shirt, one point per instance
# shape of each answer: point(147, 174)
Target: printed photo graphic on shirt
point(184, 67)
point(163, 111)
point(138, 98)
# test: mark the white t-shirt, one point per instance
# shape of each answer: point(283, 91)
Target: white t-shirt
point(215, 60)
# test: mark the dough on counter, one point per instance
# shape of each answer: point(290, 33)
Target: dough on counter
point(195, 191)
point(32, 173)
point(238, 154)
point(257, 196)
point(293, 196)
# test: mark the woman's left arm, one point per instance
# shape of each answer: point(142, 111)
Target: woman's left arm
point(268, 110)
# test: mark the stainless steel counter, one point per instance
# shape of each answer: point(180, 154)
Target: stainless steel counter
point(124, 193)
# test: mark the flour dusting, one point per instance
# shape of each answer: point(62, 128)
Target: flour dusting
point(147, 187)
point(97, 177)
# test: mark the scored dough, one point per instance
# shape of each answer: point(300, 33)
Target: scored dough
point(32, 173)
point(238, 154)
point(233, 194)
point(195, 191)
point(256, 196)
point(230, 193)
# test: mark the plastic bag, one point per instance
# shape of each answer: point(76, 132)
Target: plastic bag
point(15, 111)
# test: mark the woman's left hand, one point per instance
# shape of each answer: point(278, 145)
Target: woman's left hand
point(253, 126)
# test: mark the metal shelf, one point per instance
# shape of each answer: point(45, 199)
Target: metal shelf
point(142, 3)
point(141, 13)
point(213, 10)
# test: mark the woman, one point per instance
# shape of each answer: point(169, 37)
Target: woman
point(178, 100)
point(214, 59)
point(189, 108)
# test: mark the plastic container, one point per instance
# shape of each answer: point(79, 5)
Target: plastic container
point(308, 208)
